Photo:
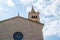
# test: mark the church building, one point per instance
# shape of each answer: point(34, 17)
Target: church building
point(19, 28)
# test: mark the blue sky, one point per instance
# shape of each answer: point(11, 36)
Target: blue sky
point(49, 14)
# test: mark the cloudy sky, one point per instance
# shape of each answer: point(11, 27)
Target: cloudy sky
point(49, 14)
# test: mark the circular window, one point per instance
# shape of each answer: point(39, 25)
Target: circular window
point(18, 36)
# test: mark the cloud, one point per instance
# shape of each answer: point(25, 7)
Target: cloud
point(52, 28)
point(10, 3)
point(24, 2)
point(28, 9)
point(1, 8)
point(47, 7)
point(0, 0)
point(44, 5)
point(57, 9)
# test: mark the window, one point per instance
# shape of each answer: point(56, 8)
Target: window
point(36, 21)
point(18, 36)
point(34, 16)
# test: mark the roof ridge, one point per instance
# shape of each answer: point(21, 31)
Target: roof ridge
point(23, 18)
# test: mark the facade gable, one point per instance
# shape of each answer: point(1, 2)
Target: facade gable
point(30, 29)
point(18, 18)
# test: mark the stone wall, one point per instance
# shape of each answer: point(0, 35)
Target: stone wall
point(30, 30)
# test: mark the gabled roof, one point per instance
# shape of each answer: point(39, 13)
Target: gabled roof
point(22, 18)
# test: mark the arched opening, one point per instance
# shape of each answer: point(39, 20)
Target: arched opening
point(32, 17)
point(36, 16)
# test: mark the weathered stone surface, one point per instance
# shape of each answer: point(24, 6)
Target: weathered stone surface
point(31, 30)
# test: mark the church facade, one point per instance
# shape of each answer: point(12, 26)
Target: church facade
point(19, 28)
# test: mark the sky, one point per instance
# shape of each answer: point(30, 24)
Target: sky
point(49, 14)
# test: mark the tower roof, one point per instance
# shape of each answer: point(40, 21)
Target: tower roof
point(32, 10)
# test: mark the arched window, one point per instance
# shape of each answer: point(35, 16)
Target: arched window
point(18, 36)
point(36, 16)
point(36, 21)
point(32, 17)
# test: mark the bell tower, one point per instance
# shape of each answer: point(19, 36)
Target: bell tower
point(33, 15)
